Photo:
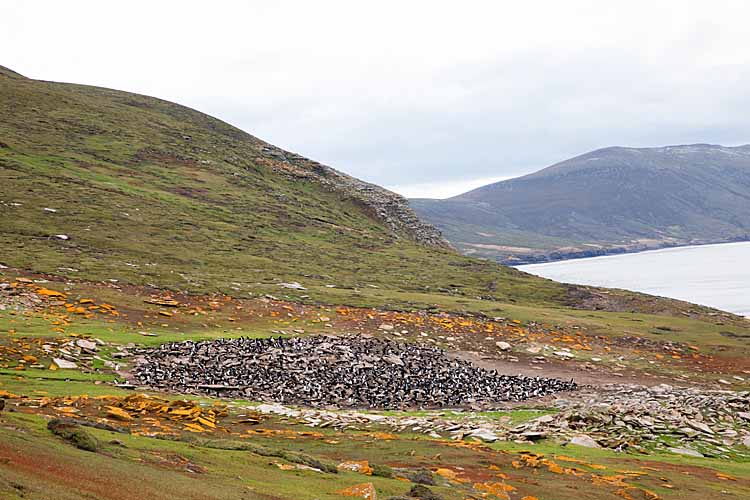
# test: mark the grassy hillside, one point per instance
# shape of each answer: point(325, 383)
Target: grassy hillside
point(146, 191)
point(613, 199)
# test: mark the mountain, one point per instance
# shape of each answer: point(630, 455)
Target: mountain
point(607, 201)
point(101, 184)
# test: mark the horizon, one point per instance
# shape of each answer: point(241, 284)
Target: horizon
point(484, 92)
point(441, 190)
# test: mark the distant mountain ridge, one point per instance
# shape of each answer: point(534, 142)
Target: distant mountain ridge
point(611, 200)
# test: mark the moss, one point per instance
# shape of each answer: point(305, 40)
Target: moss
point(381, 470)
point(74, 434)
point(423, 493)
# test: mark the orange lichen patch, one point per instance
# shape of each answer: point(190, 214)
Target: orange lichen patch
point(142, 414)
point(725, 477)
point(363, 466)
point(450, 475)
point(616, 480)
point(364, 490)
point(381, 436)
point(166, 301)
point(285, 433)
point(564, 458)
point(497, 490)
point(118, 413)
point(49, 293)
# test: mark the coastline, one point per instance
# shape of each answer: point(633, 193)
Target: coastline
point(555, 256)
point(705, 274)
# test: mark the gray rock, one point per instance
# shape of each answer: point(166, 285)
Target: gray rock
point(585, 441)
point(686, 451)
point(503, 346)
point(64, 364)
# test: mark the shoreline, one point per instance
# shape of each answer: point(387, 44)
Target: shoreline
point(590, 254)
point(721, 286)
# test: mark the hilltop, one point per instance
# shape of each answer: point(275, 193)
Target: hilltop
point(607, 201)
point(108, 185)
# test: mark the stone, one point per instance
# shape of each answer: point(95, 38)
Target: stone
point(564, 354)
point(293, 285)
point(503, 346)
point(585, 441)
point(364, 490)
point(423, 493)
point(422, 476)
point(63, 237)
point(699, 426)
point(686, 451)
point(385, 327)
point(74, 434)
point(534, 435)
point(86, 344)
point(485, 435)
point(63, 364)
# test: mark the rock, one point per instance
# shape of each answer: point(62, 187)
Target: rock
point(86, 344)
point(293, 285)
point(63, 237)
point(534, 435)
point(385, 327)
point(422, 477)
point(699, 426)
point(564, 354)
point(746, 441)
point(503, 346)
point(686, 451)
point(364, 490)
point(585, 441)
point(544, 419)
point(423, 493)
point(62, 364)
point(485, 435)
point(74, 434)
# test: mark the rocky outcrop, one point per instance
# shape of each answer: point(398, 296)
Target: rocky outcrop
point(387, 206)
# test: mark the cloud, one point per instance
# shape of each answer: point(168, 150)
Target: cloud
point(443, 189)
point(414, 93)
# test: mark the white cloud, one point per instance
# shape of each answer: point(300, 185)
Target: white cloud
point(397, 92)
point(442, 189)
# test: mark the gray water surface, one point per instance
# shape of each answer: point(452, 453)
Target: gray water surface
point(712, 275)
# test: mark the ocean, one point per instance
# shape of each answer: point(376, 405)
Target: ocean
point(711, 275)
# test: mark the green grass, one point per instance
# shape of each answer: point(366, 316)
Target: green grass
point(144, 205)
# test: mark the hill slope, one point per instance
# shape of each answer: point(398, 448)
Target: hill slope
point(609, 200)
point(107, 185)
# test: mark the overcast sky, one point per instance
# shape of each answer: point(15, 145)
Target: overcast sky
point(428, 98)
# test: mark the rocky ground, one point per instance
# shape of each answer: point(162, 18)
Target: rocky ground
point(360, 402)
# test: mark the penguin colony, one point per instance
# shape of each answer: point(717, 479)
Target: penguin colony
point(344, 372)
